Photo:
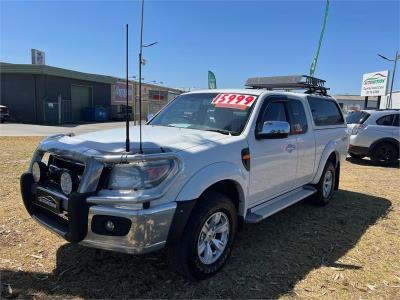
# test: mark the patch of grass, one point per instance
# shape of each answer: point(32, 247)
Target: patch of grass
point(348, 249)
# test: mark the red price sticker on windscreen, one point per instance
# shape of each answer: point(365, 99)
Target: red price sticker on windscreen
point(238, 101)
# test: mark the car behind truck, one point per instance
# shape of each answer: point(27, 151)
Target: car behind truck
point(375, 133)
point(212, 161)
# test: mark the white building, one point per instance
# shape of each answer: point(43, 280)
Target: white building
point(395, 100)
point(355, 102)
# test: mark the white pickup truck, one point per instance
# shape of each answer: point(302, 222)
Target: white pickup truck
point(212, 160)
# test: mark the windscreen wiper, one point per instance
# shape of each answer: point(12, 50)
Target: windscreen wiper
point(227, 132)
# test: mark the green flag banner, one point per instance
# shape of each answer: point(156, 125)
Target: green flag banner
point(212, 82)
point(314, 62)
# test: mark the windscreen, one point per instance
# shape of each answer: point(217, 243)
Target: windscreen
point(357, 117)
point(224, 113)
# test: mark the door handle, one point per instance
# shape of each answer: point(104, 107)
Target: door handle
point(290, 148)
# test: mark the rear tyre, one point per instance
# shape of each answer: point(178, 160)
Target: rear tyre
point(356, 156)
point(385, 154)
point(326, 185)
point(207, 240)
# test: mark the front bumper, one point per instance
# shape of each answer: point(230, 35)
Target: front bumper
point(144, 230)
point(149, 229)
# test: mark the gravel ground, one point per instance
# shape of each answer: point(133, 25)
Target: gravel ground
point(348, 250)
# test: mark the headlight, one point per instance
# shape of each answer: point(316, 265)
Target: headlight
point(39, 170)
point(68, 182)
point(140, 175)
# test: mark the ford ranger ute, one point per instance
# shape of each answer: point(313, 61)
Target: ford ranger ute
point(212, 161)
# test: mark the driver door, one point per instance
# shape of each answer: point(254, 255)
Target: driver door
point(273, 161)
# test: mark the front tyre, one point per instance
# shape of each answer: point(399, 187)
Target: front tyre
point(326, 185)
point(207, 239)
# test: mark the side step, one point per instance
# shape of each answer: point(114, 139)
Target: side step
point(264, 210)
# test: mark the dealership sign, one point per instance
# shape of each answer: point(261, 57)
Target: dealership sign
point(118, 93)
point(38, 57)
point(375, 84)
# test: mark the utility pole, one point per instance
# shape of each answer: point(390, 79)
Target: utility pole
point(140, 80)
point(396, 58)
point(141, 61)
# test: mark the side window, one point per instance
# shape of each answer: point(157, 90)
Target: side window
point(385, 120)
point(298, 116)
point(325, 111)
point(396, 121)
point(275, 111)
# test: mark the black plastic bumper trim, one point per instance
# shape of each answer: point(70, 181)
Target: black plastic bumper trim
point(28, 197)
point(358, 150)
point(75, 228)
point(181, 217)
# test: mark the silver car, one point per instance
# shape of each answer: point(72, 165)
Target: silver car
point(376, 134)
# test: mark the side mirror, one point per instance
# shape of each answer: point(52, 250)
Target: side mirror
point(274, 130)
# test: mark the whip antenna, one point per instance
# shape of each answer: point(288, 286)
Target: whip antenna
point(127, 142)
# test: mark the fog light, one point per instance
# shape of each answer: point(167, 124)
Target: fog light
point(68, 182)
point(110, 226)
point(39, 170)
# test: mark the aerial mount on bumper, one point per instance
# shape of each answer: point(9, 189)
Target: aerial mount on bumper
point(311, 85)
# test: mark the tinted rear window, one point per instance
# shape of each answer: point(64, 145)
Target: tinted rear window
point(325, 111)
point(386, 120)
point(357, 117)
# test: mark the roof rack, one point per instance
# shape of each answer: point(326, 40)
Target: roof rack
point(311, 85)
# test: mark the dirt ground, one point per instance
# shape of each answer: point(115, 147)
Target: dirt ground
point(349, 249)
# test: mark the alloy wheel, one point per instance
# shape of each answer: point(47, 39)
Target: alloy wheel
point(213, 238)
point(328, 183)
